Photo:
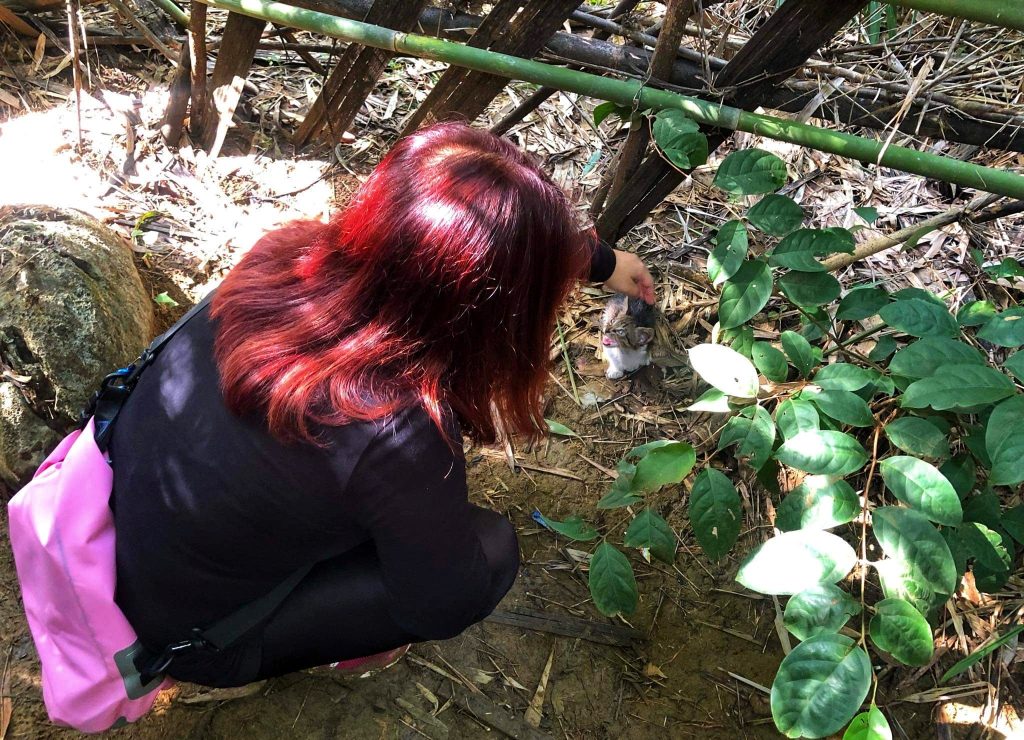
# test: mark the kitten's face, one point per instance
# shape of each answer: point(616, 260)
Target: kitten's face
point(620, 328)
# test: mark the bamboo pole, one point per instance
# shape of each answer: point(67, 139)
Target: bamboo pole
point(626, 92)
point(1005, 13)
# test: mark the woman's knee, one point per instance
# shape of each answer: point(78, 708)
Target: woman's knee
point(501, 548)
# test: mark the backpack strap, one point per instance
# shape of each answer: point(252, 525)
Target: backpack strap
point(106, 403)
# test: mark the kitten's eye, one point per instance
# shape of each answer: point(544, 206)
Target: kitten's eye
point(621, 332)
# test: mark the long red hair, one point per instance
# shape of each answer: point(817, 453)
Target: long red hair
point(438, 285)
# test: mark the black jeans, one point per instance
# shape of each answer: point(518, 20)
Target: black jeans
point(338, 612)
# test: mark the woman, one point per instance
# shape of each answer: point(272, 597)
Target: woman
point(316, 415)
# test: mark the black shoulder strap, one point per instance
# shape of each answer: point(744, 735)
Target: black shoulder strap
point(106, 403)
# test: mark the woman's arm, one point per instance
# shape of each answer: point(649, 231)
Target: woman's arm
point(620, 271)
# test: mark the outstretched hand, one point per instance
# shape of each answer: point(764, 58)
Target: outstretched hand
point(631, 277)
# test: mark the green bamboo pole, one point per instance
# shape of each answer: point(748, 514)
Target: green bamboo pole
point(1005, 13)
point(180, 16)
point(630, 92)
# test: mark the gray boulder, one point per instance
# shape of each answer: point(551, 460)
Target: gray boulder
point(72, 308)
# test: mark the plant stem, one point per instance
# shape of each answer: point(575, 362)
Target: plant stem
point(864, 537)
point(840, 346)
point(1004, 13)
point(568, 364)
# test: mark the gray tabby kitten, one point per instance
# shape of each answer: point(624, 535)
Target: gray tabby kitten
point(627, 330)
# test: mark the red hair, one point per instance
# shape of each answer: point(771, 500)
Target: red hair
point(437, 285)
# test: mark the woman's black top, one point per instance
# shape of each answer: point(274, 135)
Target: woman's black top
point(211, 511)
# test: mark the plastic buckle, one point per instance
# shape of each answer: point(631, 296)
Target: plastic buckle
point(163, 661)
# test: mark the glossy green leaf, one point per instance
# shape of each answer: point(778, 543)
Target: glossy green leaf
point(820, 686)
point(1008, 268)
point(574, 528)
point(1004, 442)
point(990, 647)
point(842, 376)
point(664, 466)
point(817, 503)
point(984, 508)
point(725, 369)
point(770, 362)
point(843, 406)
point(795, 415)
point(869, 725)
point(920, 568)
point(922, 358)
point(921, 486)
point(919, 318)
point(918, 437)
point(730, 251)
point(798, 250)
point(843, 239)
point(868, 213)
point(776, 214)
point(884, 347)
point(680, 139)
point(612, 584)
point(823, 453)
point(990, 553)
point(744, 294)
point(1015, 364)
point(818, 609)
point(715, 511)
point(753, 433)
point(975, 313)
point(621, 492)
point(560, 429)
point(740, 338)
point(823, 558)
point(919, 294)
point(711, 401)
point(1013, 522)
point(649, 530)
point(860, 303)
point(1004, 330)
point(799, 352)
point(961, 471)
point(606, 109)
point(751, 172)
point(899, 629)
point(809, 288)
point(164, 300)
point(958, 387)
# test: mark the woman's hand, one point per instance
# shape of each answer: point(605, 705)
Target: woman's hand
point(631, 277)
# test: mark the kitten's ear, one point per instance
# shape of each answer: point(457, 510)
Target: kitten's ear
point(644, 335)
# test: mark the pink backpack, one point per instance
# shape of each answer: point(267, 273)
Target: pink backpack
point(62, 533)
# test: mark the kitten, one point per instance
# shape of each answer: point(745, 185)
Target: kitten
point(627, 330)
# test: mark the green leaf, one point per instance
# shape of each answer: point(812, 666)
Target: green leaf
point(958, 387)
point(750, 172)
point(1015, 364)
point(574, 528)
point(818, 609)
point(820, 686)
point(1013, 521)
point(975, 313)
point(164, 300)
point(823, 558)
point(715, 513)
point(817, 503)
point(770, 362)
point(729, 252)
point(560, 429)
point(842, 376)
point(961, 472)
point(907, 294)
point(649, 530)
point(612, 584)
point(884, 347)
point(900, 630)
point(1004, 442)
point(798, 250)
point(1004, 330)
point(740, 339)
point(753, 433)
point(921, 568)
point(921, 485)
point(843, 406)
point(795, 415)
point(868, 213)
point(823, 453)
point(621, 492)
point(606, 109)
point(725, 369)
point(918, 437)
point(922, 358)
point(869, 725)
point(1008, 268)
point(680, 139)
point(860, 303)
point(799, 352)
point(776, 214)
point(844, 241)
point(745, 294)
point(962, 665)
point(663, 466)
point(711, 401)
point(990, 553)
point(919, 318)
point(983, 508)
point(809, 288)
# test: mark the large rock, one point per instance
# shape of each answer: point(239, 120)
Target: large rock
point(72, 308)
